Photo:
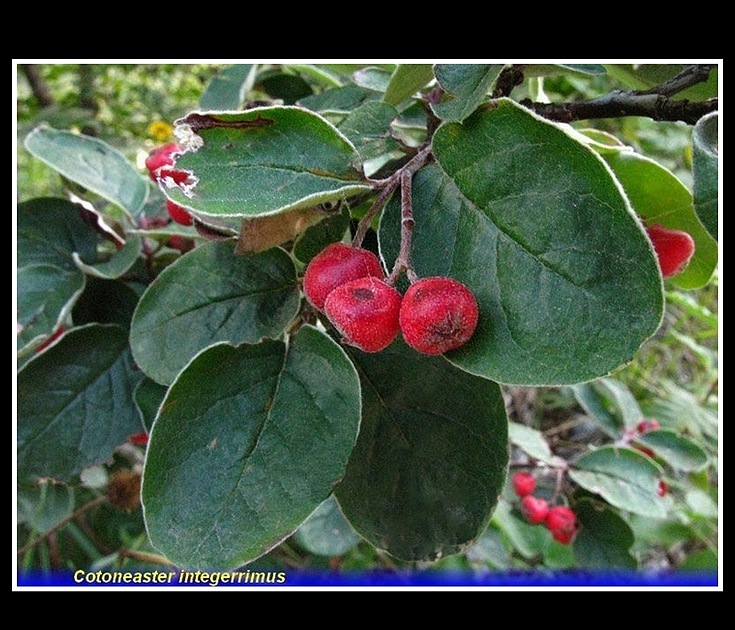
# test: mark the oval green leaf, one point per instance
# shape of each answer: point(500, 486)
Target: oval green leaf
point(228, 88)
point(75, 403)
point(326, 532)
point(248, 442)
point(368, 128)
point(118, 264)
point(623, 477)
point(590, 399)
point(677, 451)
point(211, 295)
point(604, 539)
point(660, 198)
point(468, 86)
point(431, 458)
point(535, 225)
point(705, 159)
point(263, 161)
point(91, 163)
point(531, 442)
point(407, 79)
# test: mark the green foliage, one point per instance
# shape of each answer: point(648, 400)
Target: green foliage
point(273, 445)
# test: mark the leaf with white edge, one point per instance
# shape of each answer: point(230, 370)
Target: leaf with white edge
point(705, 160)
point(535, 225)
point(624, 478)
point(372, 78)
point(119, 263)
point(406, 80)
point(263, 161)
point(234, 467)
point(211, 295)
point(623, 400)
point(228, 88)
point(91, 163)
point(75, 403)
point(678, 452)
point(431, 458)
point(326, 532)
point(660, 198)
point(468, 86)
point(368, 127)
point(595, 406)
point(148, 398)
point(604, 539)
point(530, 441)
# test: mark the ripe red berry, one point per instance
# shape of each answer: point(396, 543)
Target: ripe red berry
point(178, 177)
point(438, 314)
point(336, 265)
point(562, 523)
point(139, 439)
point(178, 214)
point(523, 483)
point(365, 312)
point(534, 509)
point(646, 425)
point(161, 156)
point(674, 249)
point(663, 488)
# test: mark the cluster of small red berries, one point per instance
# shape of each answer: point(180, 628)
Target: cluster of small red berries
point(644, 426)
point(158, 162)
point(349, 285)
point(560, 520)
point(674, 249)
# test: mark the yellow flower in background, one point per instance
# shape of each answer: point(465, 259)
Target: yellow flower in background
point(160, 130)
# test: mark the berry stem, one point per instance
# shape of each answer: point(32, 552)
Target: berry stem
point(387, 187)
point(403, 262)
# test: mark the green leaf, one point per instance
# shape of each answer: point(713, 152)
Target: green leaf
point(317, 237)
point(91, 163)
point(406, 80)
point(119, 263)
point(228, 88)
point(45, 505)
point(338, 100)
point(594, 405)
point(211, 295)
point(623, 399)
point(236, 466)
point(75, 403)
point(623, 477)
point(604, 539)
point(574, 69)
point(705, 160)
point(284, 86)
point(368, 128)
point(431, 458)
point(677, 451)
point(533, 223)
point(105, 302)
point(647, 76)
point(529, 540)
point(490, 549)
point(148, 398)
point(264, 161)
point(372, 78)
point(326, 532)
point(468, 86)
point(531, 441)
point(659, 197)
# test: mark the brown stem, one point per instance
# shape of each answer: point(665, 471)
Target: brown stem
point(38, 85)
point(403, 262)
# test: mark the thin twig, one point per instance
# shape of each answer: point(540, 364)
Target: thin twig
point(403, 262)
point(143, 556)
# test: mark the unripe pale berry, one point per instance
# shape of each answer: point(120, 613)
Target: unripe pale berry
point(162, 156)
point(178, 214)
point(523, 483)
point(438, 314)
point(562, 523)
point(365, 312)
point(674, 249)
point(336, 265)
point(534, 509)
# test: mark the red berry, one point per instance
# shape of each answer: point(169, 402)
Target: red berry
point(336, 265)
point(645, 450)
point(534, 509)
point(365, 312)
point(162, 156)
point(438, 314)
point(178, 214)
point(54, 336)
point(646, 425)
point(178, 177)
point(562, 523)
point(674, 249)
point(523, 483)
point(139, 439)
point(663, 488)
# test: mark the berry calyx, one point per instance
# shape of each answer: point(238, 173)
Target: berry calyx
point(562, 523)
point(365, 312)
point(438, 314)
point(336, 265)
point(523, 483)
point(674, 249)
point(646, 425)
point(534, 509)
point(162, 156)
point(178, 214)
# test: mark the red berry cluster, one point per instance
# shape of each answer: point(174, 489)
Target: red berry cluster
point(559, 519)
point(157, 164)
point(348, 284)
point(674, 249)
